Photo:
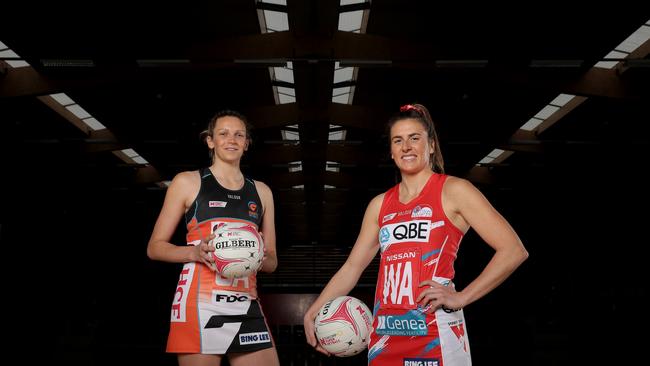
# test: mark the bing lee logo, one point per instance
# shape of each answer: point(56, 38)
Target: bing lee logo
point(421, 362)
point(253, 338)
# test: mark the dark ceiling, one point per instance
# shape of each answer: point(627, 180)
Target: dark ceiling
point(480, 76)
point(482, 73)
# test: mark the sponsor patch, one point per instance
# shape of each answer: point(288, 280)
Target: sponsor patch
point(409, 231)
point(410, 324)
point(422, 211)
point(437, 224)
point(421, 362)
point(389, 217)
point(254, 338)
point(179, 304)
point(217, 203)
point(229, 297)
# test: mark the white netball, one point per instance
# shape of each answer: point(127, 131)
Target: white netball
point(239, 249)
point(343, 326)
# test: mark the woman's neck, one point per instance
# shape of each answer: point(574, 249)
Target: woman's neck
point(412, 184)
point(228, 175)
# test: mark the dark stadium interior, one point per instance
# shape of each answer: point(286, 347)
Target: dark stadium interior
point(76, 212)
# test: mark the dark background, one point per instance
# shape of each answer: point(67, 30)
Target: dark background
point(75, 220)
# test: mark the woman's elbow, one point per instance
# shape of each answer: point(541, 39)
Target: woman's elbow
point(273, 267)
point(522, 254)
point(270, 263)
point(151, 252)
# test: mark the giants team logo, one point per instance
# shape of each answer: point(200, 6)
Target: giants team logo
point(252, 209)
point(399, 276)
point(422, 211)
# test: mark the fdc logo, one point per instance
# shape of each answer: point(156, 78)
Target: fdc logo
point(231, 298)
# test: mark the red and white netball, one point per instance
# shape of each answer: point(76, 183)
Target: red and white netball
point(343, 326)
point(239, 249)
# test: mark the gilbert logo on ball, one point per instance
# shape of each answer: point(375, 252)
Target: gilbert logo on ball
point(239, 249)
point(343, 326)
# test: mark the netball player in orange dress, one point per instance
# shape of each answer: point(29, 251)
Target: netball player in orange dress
point(213, 316)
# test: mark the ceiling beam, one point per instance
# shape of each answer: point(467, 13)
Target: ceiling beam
point(24, 81)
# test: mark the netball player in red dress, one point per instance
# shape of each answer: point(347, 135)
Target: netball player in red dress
point(417, 226)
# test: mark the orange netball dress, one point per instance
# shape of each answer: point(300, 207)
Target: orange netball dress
point(212, 314)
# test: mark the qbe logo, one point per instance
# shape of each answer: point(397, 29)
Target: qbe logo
point(409, 231)
point(421, 362)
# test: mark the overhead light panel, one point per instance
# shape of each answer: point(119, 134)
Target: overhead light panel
point(78, 111)
point(276, 21)
point(295, 166)
point(11, 58)
point(562, 99)
point(636, 39)
point(547, 111)
point(93, 123)
point(532, 124)
point(62, 99)
point(611, 60)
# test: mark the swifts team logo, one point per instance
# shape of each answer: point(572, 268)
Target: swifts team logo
point(422, 211)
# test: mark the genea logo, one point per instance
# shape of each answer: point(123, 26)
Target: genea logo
point(409, 324)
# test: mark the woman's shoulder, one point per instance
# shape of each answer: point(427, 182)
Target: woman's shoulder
point(262, 188)
point(458, 190)
point(186, 180)
point(455, 184)
point(376, 202)
point(187, 176)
